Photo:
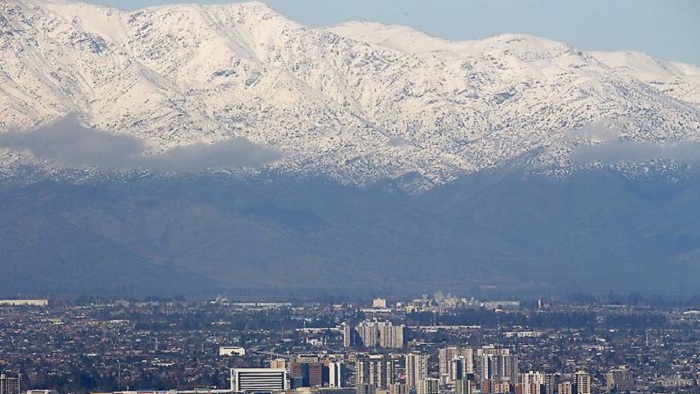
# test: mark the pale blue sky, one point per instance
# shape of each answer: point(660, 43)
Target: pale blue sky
point(667, 29)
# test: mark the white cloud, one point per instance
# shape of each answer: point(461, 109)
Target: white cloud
point(70, 144)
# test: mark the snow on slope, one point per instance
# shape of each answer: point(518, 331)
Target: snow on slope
point(398, 38)
point(678, 80)
point(359, 102)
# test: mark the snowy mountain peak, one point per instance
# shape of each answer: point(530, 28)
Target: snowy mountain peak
point(406, 39)
point(359, 102)
point(399, 38)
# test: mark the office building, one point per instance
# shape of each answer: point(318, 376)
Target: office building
point(306, 371)
point(258, 380)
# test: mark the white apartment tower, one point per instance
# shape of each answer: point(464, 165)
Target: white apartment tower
point(583, 382)
point(335, 374)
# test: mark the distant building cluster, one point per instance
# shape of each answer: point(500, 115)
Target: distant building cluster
point(425, 346)
point(303, 371)
point(462, 370)
point(371, 334)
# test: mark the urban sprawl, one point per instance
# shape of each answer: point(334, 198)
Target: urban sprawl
point(430, 345)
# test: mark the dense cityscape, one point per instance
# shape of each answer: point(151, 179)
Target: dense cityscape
point(429, 345)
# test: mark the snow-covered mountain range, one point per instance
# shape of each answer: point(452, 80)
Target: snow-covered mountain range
point(358, 102)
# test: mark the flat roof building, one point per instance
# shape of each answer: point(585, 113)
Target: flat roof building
point(259, 380)
point(42, 302)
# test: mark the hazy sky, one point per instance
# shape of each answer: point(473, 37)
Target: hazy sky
point(663, 28)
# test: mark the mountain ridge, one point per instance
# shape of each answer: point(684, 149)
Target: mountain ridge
point(225, 149)
point(327, 100)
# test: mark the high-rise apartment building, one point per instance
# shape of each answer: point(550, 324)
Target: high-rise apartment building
point(550, 383)
point(451, 371)
point(377, 370)
point(492, 350)
point(497, 365)
point(428, 386)
point(349, 335)
point(565, 388)
point(365, 388)
point(368, 333)
point(375, 334)
point(501, 368)
point(456, 370)
point(398, 388)
point(485, 362)
point(9, 385)
point(582, 380)
point(391, 337)
point(464, 386)
point(336, 374)
point(533, 382)
point(416, 369)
